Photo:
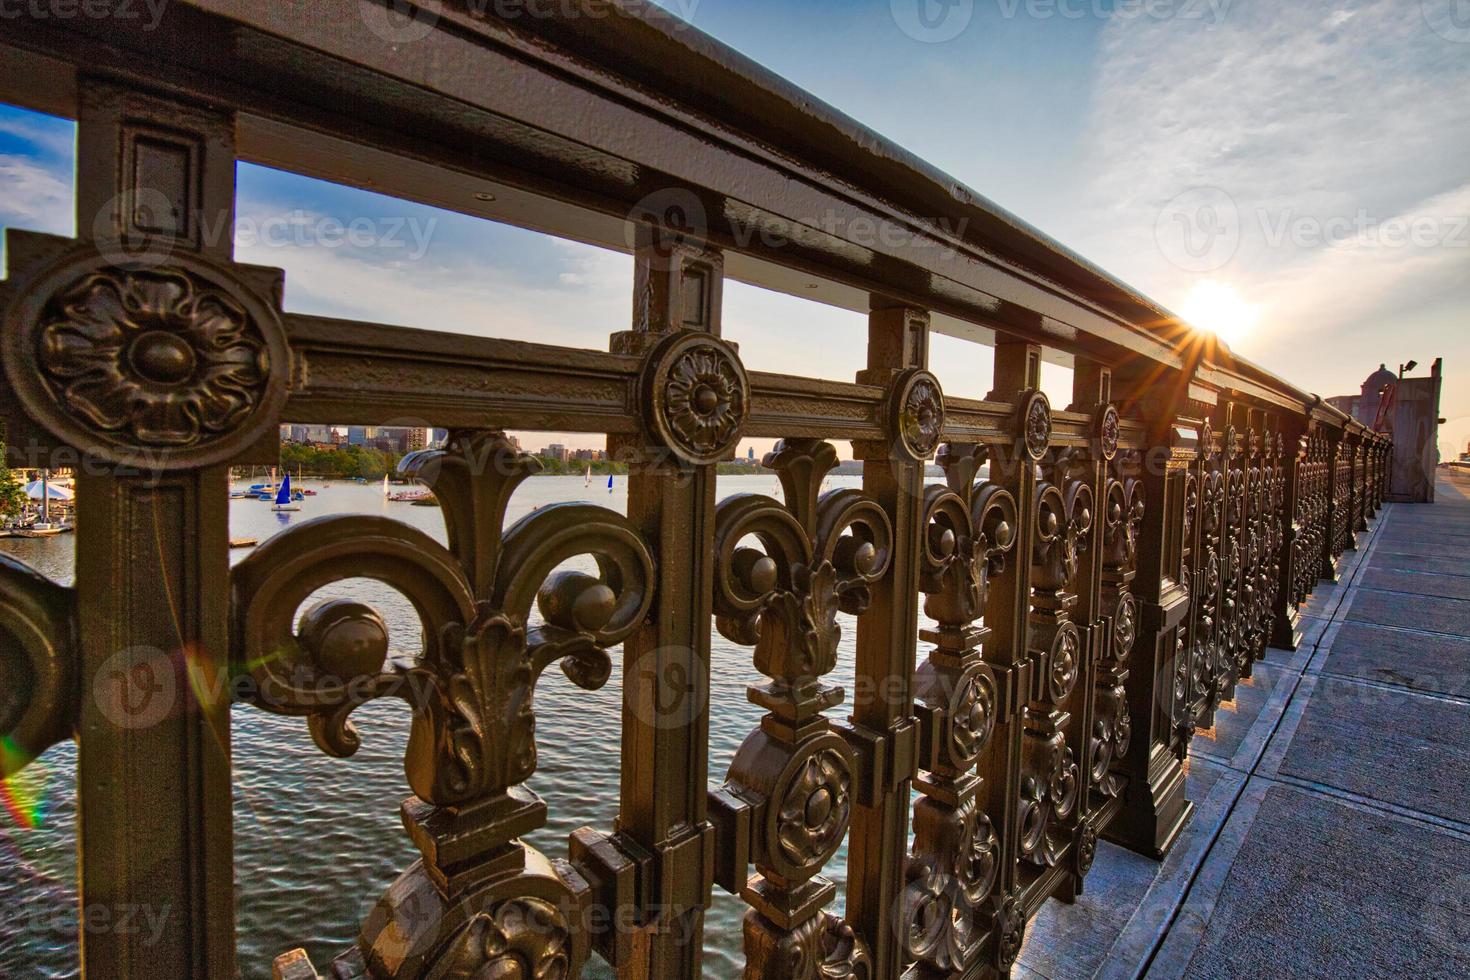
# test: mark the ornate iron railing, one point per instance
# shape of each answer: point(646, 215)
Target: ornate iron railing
point(1119, 567)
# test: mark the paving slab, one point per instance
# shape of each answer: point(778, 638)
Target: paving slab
point(1433, 614)
point(1428, 529)
point(1312, 628)
point(1435, 548)
point(1303, 885)
point(1398, 747)
point(1322, 601)
point(1419, 563)
point(1417, 583)
point(1432, 662)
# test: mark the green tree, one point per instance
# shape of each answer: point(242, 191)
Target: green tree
point(12, 493)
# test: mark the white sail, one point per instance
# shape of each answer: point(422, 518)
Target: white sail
point(589, 476)
point(385, 484)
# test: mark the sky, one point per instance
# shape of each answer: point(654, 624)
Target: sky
point(1292, 175)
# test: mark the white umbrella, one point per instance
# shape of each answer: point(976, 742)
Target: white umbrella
point(34, 491)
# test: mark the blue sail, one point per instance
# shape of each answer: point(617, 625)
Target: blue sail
point(609, 483)
point(283, 496)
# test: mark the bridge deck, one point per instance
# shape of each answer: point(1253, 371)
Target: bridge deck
point(1332, 836)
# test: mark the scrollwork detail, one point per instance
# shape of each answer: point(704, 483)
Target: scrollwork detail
point(472, 739)
point(39, 665)
point(815, 555)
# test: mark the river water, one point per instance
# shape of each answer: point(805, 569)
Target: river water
point(317, 840)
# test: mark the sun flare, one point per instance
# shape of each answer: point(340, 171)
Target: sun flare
point(1219, 308)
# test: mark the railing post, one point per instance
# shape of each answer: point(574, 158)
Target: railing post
point(665, 750)
point(1385, 463)
point(1332, 512)
point(1361, 480)
point(1013, 469)
point(1352, 492)
point(887, 634)
point(1206, 580)
point(1285, 633)
point(1155, 809)
point(1106, 611)
point(1370, 478)
point(155, 185)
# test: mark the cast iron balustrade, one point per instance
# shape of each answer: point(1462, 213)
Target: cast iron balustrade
point(1100, 575)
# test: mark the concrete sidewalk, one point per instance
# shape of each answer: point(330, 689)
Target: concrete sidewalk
point(1332, 830)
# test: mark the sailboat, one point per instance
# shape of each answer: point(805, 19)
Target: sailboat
point(609, 483)
point(385, 485)
point(589, 476)
point(284, 502)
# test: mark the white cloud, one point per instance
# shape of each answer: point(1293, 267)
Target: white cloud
point(33, 197)
point(51, 138)
point(447, 293)
point(1325, 130)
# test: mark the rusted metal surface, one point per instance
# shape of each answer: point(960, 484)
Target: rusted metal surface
point(1046, 625)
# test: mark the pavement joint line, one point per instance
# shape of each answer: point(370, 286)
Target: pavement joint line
point(1444, 575)
point(1394, 688)
point(1457, 828)
point(1369, 622)
point(1397, 629)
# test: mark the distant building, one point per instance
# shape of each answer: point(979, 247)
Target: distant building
point(1407, 409)
point(1364, 405)
point(557, 452)
point(750, 454)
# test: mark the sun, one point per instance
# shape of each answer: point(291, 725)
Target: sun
point(1219, 308)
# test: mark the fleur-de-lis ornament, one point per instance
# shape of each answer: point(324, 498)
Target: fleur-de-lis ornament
point(795, 776)
point(969, 528)
point(479, 900)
